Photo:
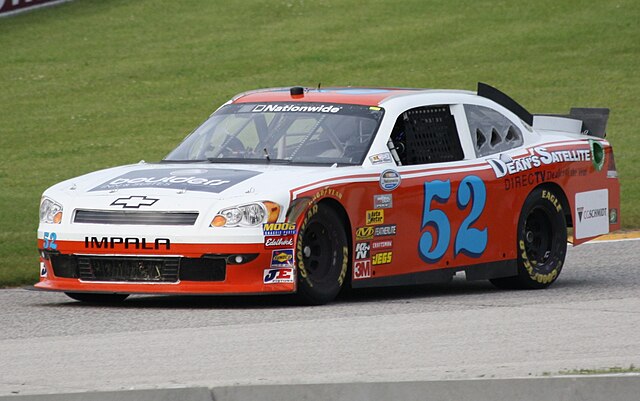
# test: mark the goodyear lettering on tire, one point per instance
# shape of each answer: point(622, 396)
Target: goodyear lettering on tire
point(302, 270)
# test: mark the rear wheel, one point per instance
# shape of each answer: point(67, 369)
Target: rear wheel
point(322, 255)
point(542, 242)
point(97, 298)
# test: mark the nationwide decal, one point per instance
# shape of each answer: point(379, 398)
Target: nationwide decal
point(384, 201)
point(271, 242)
point(276, 276)
point(134, 202)
point(375, 217)
point(540, 156)
point(295, 108)
point(380, 158)
point(126, 243)
point(384, 244)
point(202, 180)
point(362, 250)
point(384, 231)
point(389, 180)
point(282, 258)
point(382, 258)
point(279, 229)
point(361, 269)
point(364, 233)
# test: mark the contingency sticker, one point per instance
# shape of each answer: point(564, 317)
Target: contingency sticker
point(592, 213)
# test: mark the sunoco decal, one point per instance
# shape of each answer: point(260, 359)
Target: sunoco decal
point(282, 258)
point(203, 180)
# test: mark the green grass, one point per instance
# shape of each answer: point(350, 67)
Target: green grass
point(96, 83)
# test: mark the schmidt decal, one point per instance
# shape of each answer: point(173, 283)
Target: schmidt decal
point(204, 180)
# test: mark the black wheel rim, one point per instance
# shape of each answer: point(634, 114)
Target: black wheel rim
point(318, 251)
point(538, 238)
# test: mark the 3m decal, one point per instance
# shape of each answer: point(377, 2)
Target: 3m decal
point(275, 276)
point(539, 157)
point(271, 242)
point(375, 217)
point(382, 258)
point(591, 215)
point(385, 244)
point(384, 201)
point(364, 233)
point(50, 241)
point(385, 231)
point(361, 269)
point(203, 180)
point(282, 258)
point(279, 229)
point(362, 250)
point(134, 202)
point(468, 240)
point(389, 180)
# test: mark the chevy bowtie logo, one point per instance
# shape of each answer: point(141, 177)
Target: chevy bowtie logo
point(134, 202)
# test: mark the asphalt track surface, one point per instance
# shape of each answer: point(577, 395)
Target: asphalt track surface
point(589, 319)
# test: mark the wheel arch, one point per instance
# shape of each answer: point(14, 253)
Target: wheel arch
point(562, 196)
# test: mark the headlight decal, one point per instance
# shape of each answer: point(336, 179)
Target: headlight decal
point(248, 215)
point(50, 211)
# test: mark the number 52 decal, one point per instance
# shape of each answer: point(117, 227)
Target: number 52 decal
point(468, 240)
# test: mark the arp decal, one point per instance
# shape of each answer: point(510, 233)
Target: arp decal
point(375, 217)
point(276, 276)
point(203, 180)
point(361, 269)
point(364, 233)
point(468, 240)
point(279, 229)
point(389, 180)
point(50, 241)
point(384, 201)
point(539, 157)
point(282, 258)
point(362, 250)
point(134, 202)
point(382, 258)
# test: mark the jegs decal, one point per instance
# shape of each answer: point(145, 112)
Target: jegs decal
point(468, 240)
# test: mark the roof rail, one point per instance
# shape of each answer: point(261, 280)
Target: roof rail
point(505, 101)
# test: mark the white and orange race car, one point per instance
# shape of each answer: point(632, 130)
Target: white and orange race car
point(307, 191)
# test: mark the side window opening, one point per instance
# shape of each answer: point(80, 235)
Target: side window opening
point(426, 135)
point(494, 132)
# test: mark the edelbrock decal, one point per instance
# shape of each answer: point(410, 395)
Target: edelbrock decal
point(203, 180)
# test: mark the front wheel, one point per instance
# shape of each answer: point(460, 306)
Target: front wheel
point(542, 242)
point(97, 298)
point(322, 255)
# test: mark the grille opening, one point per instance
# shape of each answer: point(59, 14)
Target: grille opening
point(135, 218)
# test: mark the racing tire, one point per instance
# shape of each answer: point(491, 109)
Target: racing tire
point(322, 256)
point(541, 242)
point(97, 298)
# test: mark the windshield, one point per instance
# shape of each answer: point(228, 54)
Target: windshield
point(305, 133)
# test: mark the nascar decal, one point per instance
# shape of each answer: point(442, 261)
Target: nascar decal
point(468, 240)
point(539, 157)
point(276, 276)
point(282, 258)
point(194, 179)
point(592, 213)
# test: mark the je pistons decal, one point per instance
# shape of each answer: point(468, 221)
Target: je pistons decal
point(203, 180)
point(275, 276)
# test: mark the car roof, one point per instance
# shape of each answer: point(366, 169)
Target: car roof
point(366, 96)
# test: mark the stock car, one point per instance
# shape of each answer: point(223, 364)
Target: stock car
point(309, 191)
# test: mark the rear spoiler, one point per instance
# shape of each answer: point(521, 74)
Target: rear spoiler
point(594, 120)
